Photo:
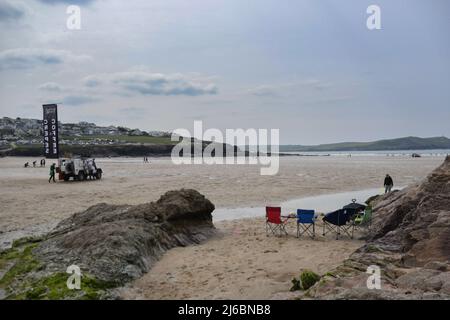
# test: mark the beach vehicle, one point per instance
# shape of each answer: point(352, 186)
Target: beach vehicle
point(78, 168)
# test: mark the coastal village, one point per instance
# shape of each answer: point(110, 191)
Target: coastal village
point(21, 131)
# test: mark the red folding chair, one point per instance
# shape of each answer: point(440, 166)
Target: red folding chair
point(274, 223)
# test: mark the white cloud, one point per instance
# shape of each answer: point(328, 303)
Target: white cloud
point(25, 58)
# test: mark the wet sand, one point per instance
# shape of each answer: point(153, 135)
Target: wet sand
point(29, 202)
point(240, 262)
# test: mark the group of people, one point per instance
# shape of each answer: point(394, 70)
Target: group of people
point(42, 163)
point(92, 168)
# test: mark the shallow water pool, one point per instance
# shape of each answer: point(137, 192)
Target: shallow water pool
point(323, 203)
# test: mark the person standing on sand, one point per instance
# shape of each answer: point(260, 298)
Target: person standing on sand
point(388, 184)
point(52, 173)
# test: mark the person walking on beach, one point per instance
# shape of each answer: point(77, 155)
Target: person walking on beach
point(90, 169)
point(52, 173)
point(388, 184)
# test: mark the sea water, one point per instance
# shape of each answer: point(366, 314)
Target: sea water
point(323, 203)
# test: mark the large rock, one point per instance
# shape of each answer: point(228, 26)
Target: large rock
point(409, 241)
point(120, 243)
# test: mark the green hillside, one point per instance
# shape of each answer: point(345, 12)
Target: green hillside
point(407, 143)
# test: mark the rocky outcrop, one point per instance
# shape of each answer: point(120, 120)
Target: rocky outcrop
point(120, 243)
point(115, 244)
point(409, 241)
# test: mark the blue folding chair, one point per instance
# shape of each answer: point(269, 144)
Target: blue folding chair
point(306, 223)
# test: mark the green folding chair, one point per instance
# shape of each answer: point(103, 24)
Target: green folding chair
point(364, 219)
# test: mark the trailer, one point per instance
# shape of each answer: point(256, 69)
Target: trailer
point(79, 169)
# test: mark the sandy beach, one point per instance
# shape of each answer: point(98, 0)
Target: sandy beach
point(240, 262)
point(29, 201)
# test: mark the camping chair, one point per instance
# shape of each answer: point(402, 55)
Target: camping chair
point(306, 223)
point(364, 219)
point(354, 209)
point(274, 223)
point(338, 221)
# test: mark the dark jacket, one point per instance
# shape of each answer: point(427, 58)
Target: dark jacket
point(388, 181)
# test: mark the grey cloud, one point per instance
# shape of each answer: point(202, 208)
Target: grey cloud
point(276, 90)
point(147, 83)
point(264, 91)
point(76, 100)
point(316, 84)
point(24, 58)
point(68, 2)
point(51, 87)
point(11, 11)
point(92, 81)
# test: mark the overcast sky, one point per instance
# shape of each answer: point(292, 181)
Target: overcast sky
point(308, 67)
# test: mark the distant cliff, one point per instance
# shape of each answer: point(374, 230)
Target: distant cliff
point(407, 143)
point(114, 150)
point(125, 150)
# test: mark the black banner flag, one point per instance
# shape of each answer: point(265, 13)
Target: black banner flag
point(50, 128)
